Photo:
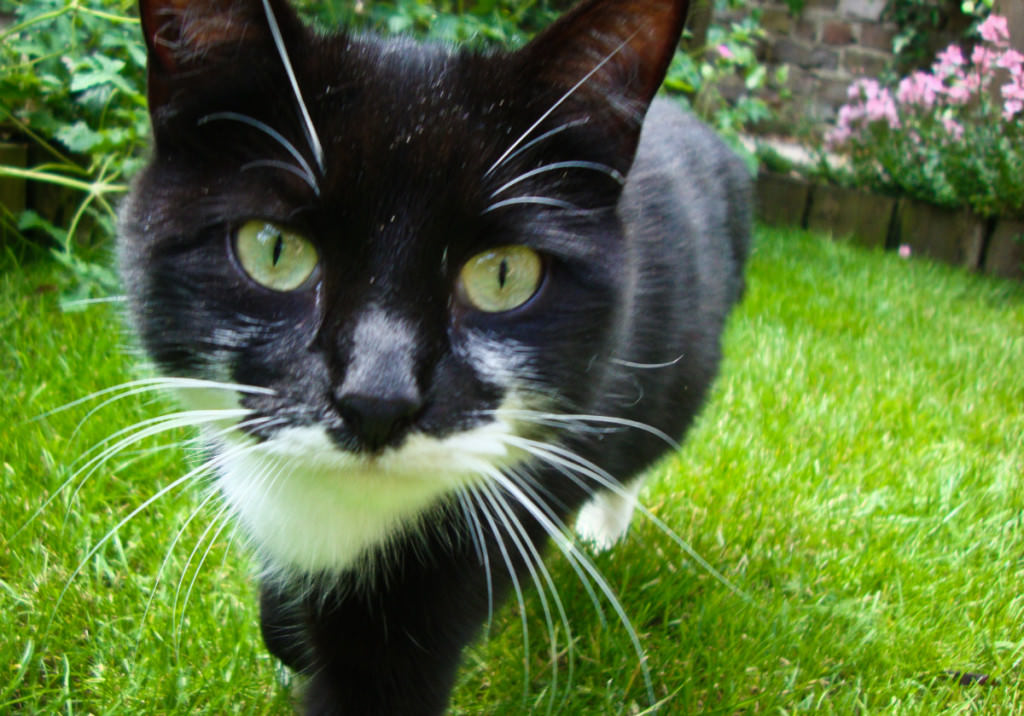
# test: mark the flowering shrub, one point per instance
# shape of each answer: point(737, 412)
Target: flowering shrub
point(952, 135)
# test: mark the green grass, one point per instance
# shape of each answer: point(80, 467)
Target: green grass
point(858, 475)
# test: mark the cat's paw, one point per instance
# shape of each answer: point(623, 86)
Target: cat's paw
point(604, 520)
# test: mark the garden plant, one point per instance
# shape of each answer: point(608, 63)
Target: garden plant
point(952, 135)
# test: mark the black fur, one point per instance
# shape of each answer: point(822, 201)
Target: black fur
point(636, 276)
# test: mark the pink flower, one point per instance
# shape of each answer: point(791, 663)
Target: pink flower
point(959, 92)
point(725, 53)
point(837, 137)
point(995, 30)
point(904, 251)
point(919, 89)
point(1013, 90)
point(983, 58)
point(863, 88)
point(953, 128)
point(850, 114)
point(1013, 61)
point(881, 107)
point(1013, 93)
point(949, 60)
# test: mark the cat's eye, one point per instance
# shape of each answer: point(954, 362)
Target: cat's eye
point(501, 279)
point(273, 256)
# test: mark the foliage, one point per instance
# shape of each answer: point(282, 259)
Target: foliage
point(71, 81)
point(728, 64)
point(946, 135)
point(917, 20)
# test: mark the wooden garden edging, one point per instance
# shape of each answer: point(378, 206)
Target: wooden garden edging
point(954, 236)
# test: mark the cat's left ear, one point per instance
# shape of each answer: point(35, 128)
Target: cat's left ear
point(192, 43)
point(607, 55)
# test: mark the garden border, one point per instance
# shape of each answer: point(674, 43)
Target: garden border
point(955, 236)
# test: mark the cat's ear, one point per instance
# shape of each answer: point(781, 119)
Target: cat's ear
point(190, 39)
point(612, 53)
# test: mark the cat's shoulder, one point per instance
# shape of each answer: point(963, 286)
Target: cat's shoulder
point(673, 138)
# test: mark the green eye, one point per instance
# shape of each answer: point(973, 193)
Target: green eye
point(274, 257)
point(501, 279)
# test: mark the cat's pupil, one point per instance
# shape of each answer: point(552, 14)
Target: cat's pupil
point(502, 273)
point(278, 249)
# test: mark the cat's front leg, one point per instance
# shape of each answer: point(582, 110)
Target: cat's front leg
point(387, 646)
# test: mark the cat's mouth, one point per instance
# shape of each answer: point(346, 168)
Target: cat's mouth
point(312, 507)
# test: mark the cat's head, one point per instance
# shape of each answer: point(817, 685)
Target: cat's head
point(385, 253)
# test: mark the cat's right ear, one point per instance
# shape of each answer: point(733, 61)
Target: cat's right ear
point(604, 59)
point(192, 41)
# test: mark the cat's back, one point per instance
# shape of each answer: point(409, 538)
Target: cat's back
point(688, 198)
point(686, 212)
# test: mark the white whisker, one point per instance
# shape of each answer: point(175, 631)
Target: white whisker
point(190, 475)
point(566, 546)
point(539, 574)
point(540, 200)
point(92, 301)
point(550, 133)
point(306, 171)
point(480, 545)
point(558, 102)
point(222, 518)
point(311, 135)
point(158, 383)
point(546, 418)
point(530, 492)
point(646, 366)
point(167, 558)
point(152, 427)
point(210, 466)
point(554, 454)
point(535, 567)
point(284, 166)
point(555, 166)
point(515, 585)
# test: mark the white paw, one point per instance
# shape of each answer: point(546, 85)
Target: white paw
point(604, 520)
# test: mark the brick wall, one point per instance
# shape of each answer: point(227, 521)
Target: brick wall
point(826, 46)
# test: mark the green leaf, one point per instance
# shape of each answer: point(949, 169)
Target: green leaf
point(29, 220)
point(80, 137)
point(756, 78)
point(100, 70)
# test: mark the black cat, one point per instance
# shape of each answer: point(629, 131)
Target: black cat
point(436, 300)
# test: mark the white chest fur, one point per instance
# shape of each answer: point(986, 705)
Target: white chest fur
point(310, 508)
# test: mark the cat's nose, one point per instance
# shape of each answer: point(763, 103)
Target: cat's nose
point(378, 421)
point(379, 394)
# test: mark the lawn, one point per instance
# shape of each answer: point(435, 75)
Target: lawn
point(855, 488)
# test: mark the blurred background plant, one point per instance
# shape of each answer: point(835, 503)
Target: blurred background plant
point(951, 135)
point(922, 22)
point(719, 73)
point(71, 87)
